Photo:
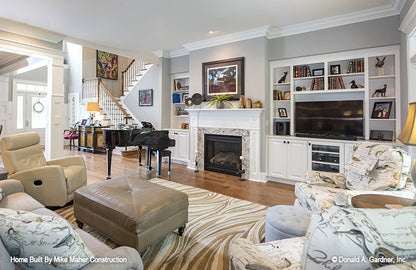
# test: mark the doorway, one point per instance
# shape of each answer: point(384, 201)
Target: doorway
point(30, 108)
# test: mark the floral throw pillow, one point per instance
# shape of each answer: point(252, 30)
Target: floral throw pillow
point(32, 239)
point(349, 238)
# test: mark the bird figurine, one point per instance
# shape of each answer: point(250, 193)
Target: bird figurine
point(283, 78)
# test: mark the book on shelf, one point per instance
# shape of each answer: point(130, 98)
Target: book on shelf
point(317, 84)
point(301, 71)
point(356, 66)
point(336, 83)
point(277, 95)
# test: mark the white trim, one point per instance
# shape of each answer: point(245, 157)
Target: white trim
point(239, 36)
point(408, 24)
point(29, 31)
point(29, 49)
point(270, 32)
point(359, 16)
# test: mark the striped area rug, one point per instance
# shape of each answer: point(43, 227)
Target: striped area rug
point(215, 220)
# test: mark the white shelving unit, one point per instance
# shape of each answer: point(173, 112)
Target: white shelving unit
point(180, 89)
point(304, 73)
point(312, 79)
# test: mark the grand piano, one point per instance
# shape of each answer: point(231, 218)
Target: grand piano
point(153, 140)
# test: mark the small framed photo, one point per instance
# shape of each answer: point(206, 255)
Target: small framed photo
point(286, 95)
point(282, 112)
point(381, 110)
point(146, 97)
point(335, 69)
point(184, 97)
point(318, 72)
point(84, 122)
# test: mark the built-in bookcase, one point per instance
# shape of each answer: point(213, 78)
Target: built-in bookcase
point(339, 76)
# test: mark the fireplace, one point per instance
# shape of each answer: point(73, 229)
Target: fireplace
point(222, 153)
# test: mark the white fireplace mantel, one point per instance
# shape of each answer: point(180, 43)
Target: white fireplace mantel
point(246, 119)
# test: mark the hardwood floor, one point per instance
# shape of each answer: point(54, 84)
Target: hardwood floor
point(268, 194)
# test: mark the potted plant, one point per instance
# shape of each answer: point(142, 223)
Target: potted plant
point(220, 100)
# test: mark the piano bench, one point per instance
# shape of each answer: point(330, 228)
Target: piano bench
point(159, 155)
point(132, 212)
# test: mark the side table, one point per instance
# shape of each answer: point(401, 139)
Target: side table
point(380, 201)
point(3, 173)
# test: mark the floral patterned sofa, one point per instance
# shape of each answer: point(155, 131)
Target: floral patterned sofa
point(339, 238)
point(372, 169)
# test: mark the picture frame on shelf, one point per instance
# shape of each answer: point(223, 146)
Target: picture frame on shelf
point(282, 112)
point(335, 69)
point(184, 97)
point(223, 77)
point(381, 110)
point(286, 95)
point(318, 72)
point(84, 122)
point(146, 97)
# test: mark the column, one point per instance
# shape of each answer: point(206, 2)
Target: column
point(56, 109)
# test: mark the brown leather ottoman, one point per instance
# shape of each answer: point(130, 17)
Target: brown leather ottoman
point(130, 211)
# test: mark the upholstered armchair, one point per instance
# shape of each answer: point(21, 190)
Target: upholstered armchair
point(53, 182)
point(372, 169)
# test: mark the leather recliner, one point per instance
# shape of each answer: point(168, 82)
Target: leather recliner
point(53, 182)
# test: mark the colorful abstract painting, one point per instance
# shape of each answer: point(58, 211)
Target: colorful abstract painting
point(146, 97)
point(107, 65)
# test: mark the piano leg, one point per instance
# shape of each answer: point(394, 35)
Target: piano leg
point(140, 155)
point(148, 158)
point(158, 163)
point(109, 154)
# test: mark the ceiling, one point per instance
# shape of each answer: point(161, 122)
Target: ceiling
point(8, 59)
point(146, 26)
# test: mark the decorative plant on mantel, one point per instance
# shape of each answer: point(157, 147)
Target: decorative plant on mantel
point(220, 100)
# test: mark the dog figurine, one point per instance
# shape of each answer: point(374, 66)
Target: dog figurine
point(381, 91)
point(283, 79)
point(380, 63)
point(354, 85)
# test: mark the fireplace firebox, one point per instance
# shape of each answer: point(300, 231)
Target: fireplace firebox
point(222, 154)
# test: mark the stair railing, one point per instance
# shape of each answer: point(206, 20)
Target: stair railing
point(131, 74)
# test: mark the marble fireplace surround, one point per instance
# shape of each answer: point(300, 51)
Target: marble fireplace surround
point(246, 123)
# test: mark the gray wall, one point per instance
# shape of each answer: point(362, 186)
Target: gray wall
point(375, 33)
point(146, 113)
point(89, 69)
point(254, 52)
point(179, 64)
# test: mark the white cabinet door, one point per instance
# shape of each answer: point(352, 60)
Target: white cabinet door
point(296, 160)
point(174, 149)
point(182, 140)
point(277, 158)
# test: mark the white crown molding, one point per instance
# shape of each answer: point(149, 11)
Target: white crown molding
point(408, 24)
point(394, 8)
point(178, 52)
point(161, 53)
point(29, 31)
point(239, 36)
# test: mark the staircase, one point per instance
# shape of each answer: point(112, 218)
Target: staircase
point(113, 109)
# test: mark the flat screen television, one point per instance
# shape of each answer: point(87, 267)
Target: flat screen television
point(330, 119)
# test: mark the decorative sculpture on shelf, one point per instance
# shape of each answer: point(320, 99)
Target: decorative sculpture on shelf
point(241, 102)
point(283, 78)
point(354, 85)
point(381, 91)
point(380, 66)
point(249, 103)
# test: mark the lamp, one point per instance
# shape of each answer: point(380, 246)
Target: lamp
point(93, 107)
point(408, 135)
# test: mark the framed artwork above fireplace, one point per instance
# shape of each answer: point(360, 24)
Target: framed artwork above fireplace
point(223, 77)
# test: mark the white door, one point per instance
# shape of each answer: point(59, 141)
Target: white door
point(182, 146)
point(30, 113)
point(297, 160)
point(277, 158)
point(174, 149)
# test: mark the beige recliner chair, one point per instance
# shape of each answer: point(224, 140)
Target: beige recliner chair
point(53, 182)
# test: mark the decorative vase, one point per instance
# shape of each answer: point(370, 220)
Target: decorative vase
point(380, 71)
point(220, 105)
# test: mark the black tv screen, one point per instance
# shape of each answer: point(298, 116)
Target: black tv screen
point(342, 119)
